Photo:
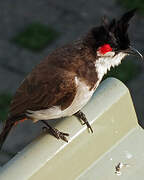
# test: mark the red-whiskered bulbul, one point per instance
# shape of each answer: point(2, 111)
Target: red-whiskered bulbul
point(67, 78)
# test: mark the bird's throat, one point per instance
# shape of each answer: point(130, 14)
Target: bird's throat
point(103, 64)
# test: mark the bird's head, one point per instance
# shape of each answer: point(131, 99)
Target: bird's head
point(112, 42)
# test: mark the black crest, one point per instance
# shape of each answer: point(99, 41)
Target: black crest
point(119, 29)
point(114, 32)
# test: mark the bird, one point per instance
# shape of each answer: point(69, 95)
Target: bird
point(63, 82)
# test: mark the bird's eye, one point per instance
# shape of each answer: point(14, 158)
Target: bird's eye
point(104, 49)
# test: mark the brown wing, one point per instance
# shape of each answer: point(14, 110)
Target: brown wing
point(43, 88)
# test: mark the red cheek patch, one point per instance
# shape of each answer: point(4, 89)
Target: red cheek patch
point(105, 48)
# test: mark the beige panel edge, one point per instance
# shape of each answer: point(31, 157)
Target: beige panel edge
point(112, 116)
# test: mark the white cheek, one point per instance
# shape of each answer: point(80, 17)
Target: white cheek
point(110, 54)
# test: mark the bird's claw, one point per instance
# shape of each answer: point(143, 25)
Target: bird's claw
point(83, 120)
point(56, 133)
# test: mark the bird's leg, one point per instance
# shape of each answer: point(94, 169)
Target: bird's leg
point(83, 118)
point(55, 132)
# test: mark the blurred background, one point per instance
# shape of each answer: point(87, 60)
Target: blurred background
point(31, 29)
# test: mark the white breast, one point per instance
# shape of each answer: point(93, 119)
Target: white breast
point(82, 97)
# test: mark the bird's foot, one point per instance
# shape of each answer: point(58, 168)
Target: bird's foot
point(84, 120)
point(55, 132)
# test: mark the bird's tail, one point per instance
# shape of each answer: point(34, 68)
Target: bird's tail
point(8, 126)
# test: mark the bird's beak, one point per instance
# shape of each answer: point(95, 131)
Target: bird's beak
point(134, 52)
